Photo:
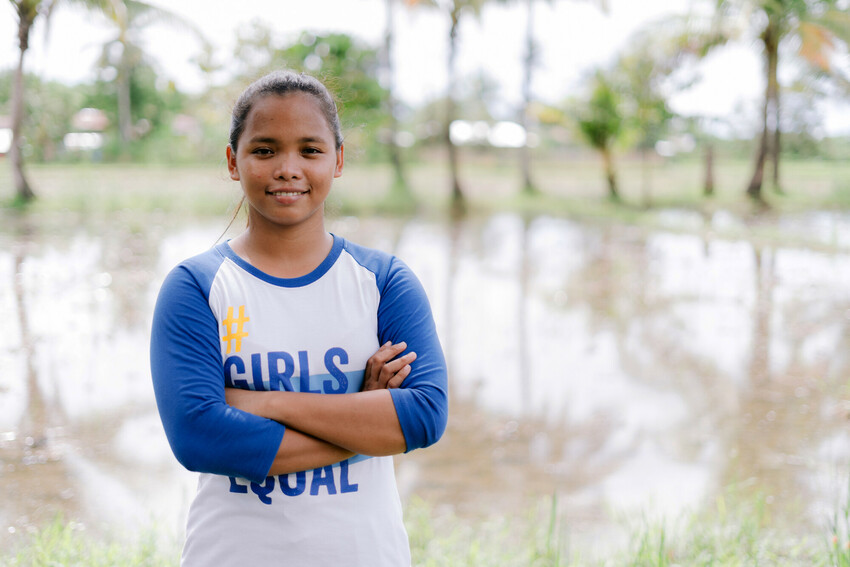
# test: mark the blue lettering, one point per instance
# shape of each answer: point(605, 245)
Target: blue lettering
point(257, 371)
point(234, 362)
point(263, 490)
point(304, 364)
point(340, 376)
point(300, 480)
point(236, 487)
point(344, 484)
point(280, 380)
point(323, 476)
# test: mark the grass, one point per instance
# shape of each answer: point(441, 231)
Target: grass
point(70, 195)
point(728, 535)
point(67, 544)
point(490, 181)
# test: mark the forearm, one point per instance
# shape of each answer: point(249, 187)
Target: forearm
point(299, 452)
point(363, 422)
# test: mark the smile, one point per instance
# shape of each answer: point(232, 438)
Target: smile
point(285, 193)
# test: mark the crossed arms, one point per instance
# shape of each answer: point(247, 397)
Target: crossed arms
point(402, 406)
point(325, 429)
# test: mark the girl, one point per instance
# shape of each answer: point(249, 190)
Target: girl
point(251, 337)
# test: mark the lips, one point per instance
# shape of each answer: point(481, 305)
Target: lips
point(286, 192)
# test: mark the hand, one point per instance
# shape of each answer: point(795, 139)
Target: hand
point(384, 370)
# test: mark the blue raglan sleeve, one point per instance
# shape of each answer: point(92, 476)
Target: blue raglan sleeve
point(205, 434)
point(405, 314)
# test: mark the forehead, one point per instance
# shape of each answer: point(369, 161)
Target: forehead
point(292, 115)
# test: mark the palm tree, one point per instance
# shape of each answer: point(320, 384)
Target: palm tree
point(124, 53)
point(27, 12)
point(819, 28)
point(529, 62)
point(528, 185)
point(400, 186)
point(455, 10)
point(601, 122)
point(645, 77)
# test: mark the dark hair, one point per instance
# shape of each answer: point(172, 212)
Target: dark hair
point(282, 83)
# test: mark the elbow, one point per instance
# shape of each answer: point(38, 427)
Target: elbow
point(437, 427)
point(427, 423)
point(187, 451)
point(189, 436)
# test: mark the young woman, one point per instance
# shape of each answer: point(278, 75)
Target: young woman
point(289, 364)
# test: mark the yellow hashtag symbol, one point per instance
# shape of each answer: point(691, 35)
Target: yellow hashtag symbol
point(234, 339)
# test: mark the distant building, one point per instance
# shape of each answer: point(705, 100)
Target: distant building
point(88, 125)
point(5, 134)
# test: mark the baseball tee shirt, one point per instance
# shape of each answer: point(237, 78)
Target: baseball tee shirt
point(219, 322)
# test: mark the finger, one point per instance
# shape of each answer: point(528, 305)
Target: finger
point(394, 366)
point(376, 362)
point(388, 351)
point(399, 377)
point(391, 368)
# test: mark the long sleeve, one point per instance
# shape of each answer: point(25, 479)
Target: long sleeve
point(205, 434)
point(405, 314)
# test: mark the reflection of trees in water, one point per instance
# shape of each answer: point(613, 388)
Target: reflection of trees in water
point(33, 474)
point(765, 426)
point(791, 405)
point(46, 464)
point(130, 252)
point(34, 424)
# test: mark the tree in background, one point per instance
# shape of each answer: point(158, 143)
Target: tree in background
point(123, 53)
point(400, 188)
point(44, 99)
point(817, 30)
point(27, 12)
point(456, 10)
point(644, 73)
point(530, 61)
point(601, 122)
point(155, 104)
point(346, 65)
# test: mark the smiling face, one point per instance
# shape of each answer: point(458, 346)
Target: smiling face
point(286, 160)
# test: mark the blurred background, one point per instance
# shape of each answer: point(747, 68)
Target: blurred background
point(631, 219)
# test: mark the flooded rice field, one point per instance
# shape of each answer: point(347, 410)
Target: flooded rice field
point(625, 370)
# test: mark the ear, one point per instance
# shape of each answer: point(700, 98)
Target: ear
point(231, 164)
point(339, 161)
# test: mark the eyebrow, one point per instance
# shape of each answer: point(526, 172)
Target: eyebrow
point(304, 140)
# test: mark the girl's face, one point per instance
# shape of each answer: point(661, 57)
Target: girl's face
point(286, 160)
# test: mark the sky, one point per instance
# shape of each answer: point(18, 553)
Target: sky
point(575, 37)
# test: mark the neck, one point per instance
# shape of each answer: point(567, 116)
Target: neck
point(284, 252)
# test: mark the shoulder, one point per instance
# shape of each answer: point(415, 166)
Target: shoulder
point(198, 271)
point(386, 268)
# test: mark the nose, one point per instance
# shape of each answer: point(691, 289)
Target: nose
point(287, 167)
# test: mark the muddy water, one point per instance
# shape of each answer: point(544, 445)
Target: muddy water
point(627, 371)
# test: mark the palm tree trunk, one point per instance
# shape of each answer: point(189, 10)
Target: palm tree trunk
point(772, 48)
point(457, 199)
point(528, 186)
point(776, 148)
point(646, 177)
point(610, 174)
point(754, 188)
point(399, 184)
point(125, 121)
point(23, 191)
point(708, 184)
point(770, 38)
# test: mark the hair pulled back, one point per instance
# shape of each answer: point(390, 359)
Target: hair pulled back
point(282, 83)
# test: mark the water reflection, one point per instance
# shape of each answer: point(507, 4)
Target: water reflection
point(624, 369)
